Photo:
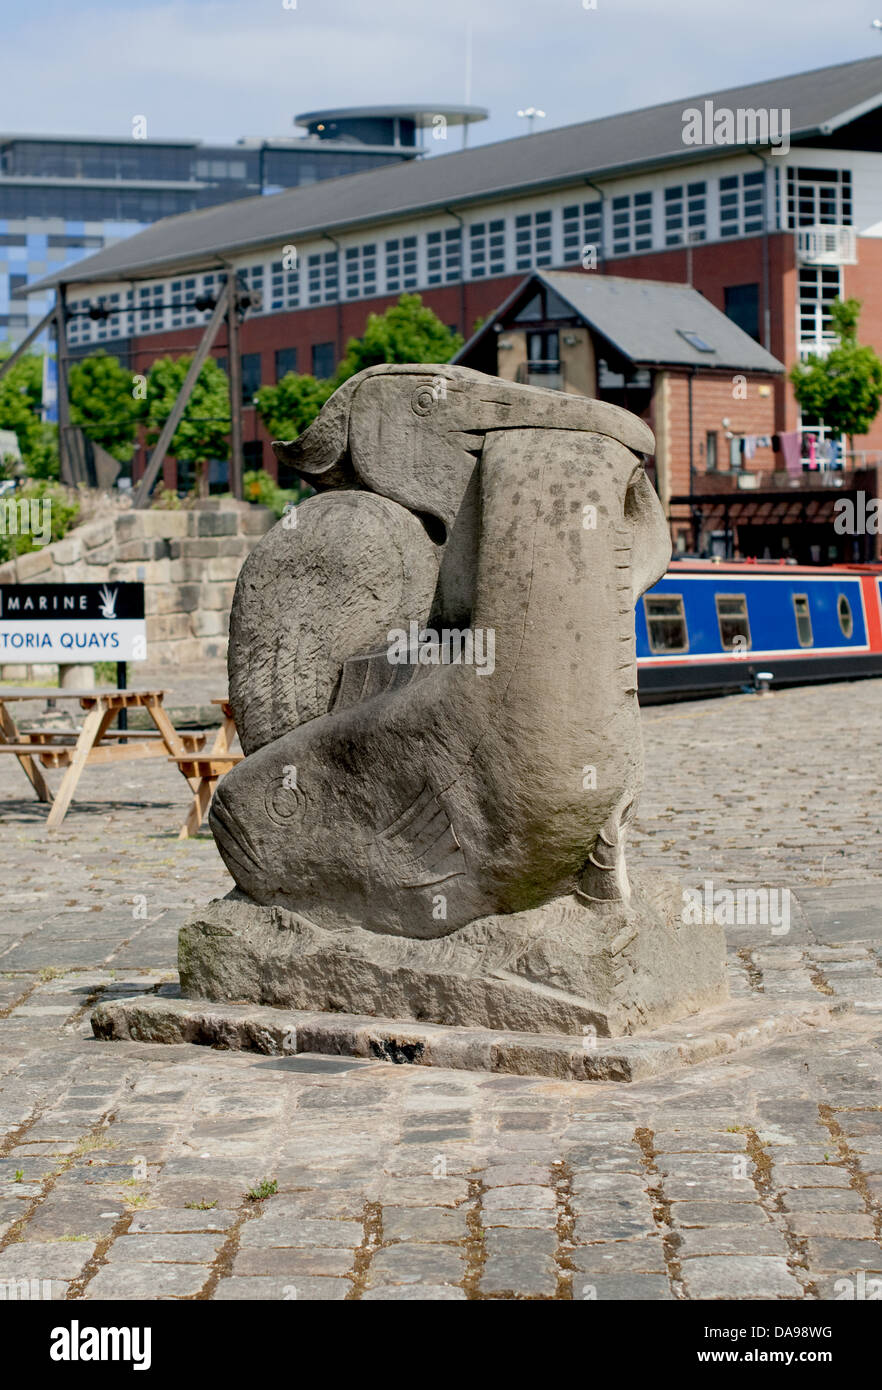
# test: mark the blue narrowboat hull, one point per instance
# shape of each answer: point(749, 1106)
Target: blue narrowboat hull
point(708, 628)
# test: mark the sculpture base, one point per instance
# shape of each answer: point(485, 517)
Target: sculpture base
point(570, 967)
point(284, 1035)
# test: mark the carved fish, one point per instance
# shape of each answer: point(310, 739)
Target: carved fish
point(426, 797)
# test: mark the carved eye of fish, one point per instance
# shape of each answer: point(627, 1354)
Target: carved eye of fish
point(423, 400)
point(283, 801)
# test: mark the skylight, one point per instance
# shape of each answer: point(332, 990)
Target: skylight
point(695, 340)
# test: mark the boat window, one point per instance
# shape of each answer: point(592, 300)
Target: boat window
point(846, 621)
point(803, 619)
point(666, 623)
point(732, 618)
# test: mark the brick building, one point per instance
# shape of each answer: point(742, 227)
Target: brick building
point(656, 348)
point(766, 199)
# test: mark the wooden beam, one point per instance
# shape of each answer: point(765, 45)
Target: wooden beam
point(157, 458)
point(66, 468)
point(237, 461)
point(26, 342)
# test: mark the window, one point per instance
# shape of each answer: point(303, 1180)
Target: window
point(733, 622)
point(393, 265)
point(478, 250)
point(322, 277)
point(486, 249)
point(285, 285)
point(666, 623)
point(582, 230)
point(16, 283)
point(632, 223)
point(444, 255)
point(250, 376)
point(803, 619)
point(742, 307)
point(741, 204)
point(360, 271)
point(323, 362)
point(252, 451)
point(710, 450)
point(695, 340)
point(401, 264)
point(286, 361)
point(818, 287)
point(846, 621)
point(818, 196)
point(496, 244)
point(685, 213)
point(532, 240)
point(543, 353)
point(409, 261)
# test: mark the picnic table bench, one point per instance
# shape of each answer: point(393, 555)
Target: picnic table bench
point(93, 744)
point(202, 769)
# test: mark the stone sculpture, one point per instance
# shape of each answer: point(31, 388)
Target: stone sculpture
point(433, 674)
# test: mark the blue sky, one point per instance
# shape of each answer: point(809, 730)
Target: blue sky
point(219, 69)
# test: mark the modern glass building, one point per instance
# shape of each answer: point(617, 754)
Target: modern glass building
point(62, 198)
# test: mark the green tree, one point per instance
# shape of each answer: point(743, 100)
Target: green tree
point(102, 404)
point(62, 513)
point(21, 397)
point(844, 389)
point(202, 432)
point(407, 332)
point(289, 407)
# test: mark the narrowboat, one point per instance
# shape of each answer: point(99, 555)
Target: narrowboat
point(714, 625)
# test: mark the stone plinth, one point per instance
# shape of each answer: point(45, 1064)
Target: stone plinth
point(569, 967)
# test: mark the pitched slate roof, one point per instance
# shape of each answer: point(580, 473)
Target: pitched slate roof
point(819, 103)
point(645, 320)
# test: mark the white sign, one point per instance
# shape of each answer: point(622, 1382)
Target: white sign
point(72, 624)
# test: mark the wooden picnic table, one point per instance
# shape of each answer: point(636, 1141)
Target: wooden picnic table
point(202, 769)
point(95, 743)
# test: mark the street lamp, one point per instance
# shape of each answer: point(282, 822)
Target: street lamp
point(530, 114)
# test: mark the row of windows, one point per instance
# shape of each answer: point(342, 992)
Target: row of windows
point(496, 246)
point(667, 630)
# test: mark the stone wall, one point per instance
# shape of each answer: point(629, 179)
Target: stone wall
point(188, 561)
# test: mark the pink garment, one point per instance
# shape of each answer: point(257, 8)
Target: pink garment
point(791, 449)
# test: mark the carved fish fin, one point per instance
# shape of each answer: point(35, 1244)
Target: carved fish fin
point(372, 674)
point(605, 875)
point(421, 843)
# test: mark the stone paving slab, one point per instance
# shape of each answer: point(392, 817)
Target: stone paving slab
point(714, 1033)
point(137, 1170)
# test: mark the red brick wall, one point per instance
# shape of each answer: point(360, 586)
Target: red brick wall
point(302, 328)
point(713, 267)
point(712, 401)
point(864, 282)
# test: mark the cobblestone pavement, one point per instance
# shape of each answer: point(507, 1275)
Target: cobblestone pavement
point(134, 1170)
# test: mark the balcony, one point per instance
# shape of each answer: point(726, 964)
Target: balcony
point(819, 480)
point(826, 244)
point(541, 372)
